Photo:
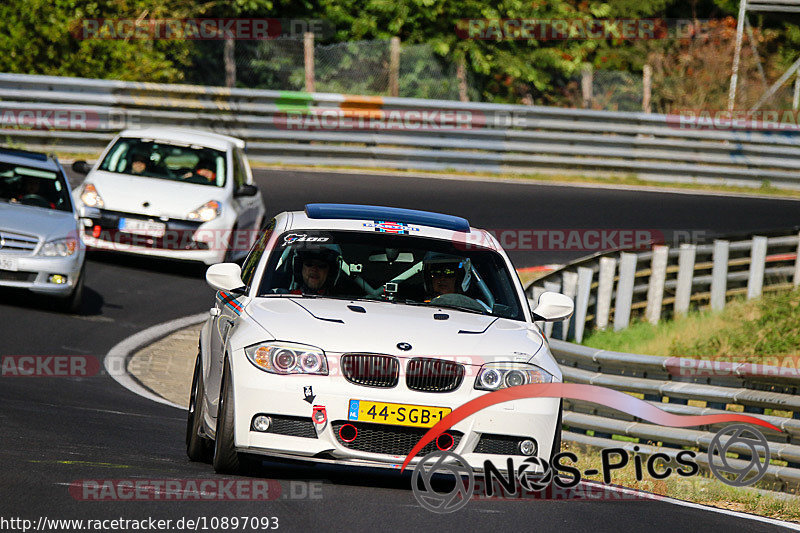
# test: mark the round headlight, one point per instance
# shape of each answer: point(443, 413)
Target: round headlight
point(490, 378)
point(515, 378)
point(311, 362)
point(284, 360)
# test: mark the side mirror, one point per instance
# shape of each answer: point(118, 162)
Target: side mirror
point(553, 306)
point(89, 212)
point(81, 167)
point(225, 277)
point(246, 190)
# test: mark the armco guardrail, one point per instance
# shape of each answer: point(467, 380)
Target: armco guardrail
point(614, 288)
point(400, 132)
point(686, 387)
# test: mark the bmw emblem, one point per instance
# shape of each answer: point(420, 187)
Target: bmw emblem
point(403, 346)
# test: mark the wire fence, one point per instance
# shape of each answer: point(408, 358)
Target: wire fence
point(355, 67)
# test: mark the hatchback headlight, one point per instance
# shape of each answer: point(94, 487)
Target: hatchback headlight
point(60, 247)
point(496, 376)
point(287, 358)
point(91, 197)
point(207, 211)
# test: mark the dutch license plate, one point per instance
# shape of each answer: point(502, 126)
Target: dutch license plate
point(397, 414)
point(8, 263)
point(142, 227)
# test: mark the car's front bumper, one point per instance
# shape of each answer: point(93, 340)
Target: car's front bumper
point(34, 272)
point(258, 392)
point(182, 240)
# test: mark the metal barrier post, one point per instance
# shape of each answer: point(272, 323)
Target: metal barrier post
point(622, 305)
point(582, 300)
point(569, 287)
point(605, 285)
point(683, 291)
point(655, 288)
point(796, 280)
point(758, 256)
point(719, 275)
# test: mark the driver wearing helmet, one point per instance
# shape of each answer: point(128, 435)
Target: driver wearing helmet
point(445, 274)
point(316, 270)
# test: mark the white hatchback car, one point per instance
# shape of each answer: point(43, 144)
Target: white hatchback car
point(351, 330)
point(174, 193)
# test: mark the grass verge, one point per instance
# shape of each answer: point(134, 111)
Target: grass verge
point(754, 331)
point(697, 489)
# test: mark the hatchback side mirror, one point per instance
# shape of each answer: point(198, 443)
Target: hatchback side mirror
point(246, 190)
point(553, 306)
point(225, 277)
point(81, 167)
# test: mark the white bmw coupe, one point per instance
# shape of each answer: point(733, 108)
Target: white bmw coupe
point(351, 330)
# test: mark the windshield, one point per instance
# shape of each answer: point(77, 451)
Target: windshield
point(34, 187)
point(391, 268)
point(152, 159)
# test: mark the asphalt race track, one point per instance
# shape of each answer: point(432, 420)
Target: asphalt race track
point(56, 431)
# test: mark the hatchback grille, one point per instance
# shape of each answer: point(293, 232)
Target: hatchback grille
point(371, 370)
point(390, 440)
point(434, 375)
point(17, 242)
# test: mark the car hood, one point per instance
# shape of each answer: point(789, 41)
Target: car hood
point(334, 326)
point(46, 224)
point(173, 199)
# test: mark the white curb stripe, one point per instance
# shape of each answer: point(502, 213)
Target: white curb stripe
point(116, 360)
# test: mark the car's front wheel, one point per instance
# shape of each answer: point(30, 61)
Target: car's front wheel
point(74, 302)
point(197, 447)
point(226, 458)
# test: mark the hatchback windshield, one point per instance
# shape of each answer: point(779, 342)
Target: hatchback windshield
point(393, 268)
point(153, 159)
point(34, 187)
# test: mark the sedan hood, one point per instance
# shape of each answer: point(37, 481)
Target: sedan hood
point(164, 198)
point(46, 224)
point(377, 327)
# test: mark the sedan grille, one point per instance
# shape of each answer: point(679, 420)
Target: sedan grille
point(7, 275)
point(371, 370)
point(390, 440)
point(17, 242)
point(434, 375)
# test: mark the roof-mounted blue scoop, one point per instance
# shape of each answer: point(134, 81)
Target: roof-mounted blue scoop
point(387, 214)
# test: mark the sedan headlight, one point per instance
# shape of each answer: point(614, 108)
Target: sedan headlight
point(207, 211)
point(60, 247)
point(91, 197)
point(495, 376)
point(287, 358)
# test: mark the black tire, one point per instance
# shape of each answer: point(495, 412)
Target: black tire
point(74, 302)
point(557, 434)
point(197, 448)
point(226, 459)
